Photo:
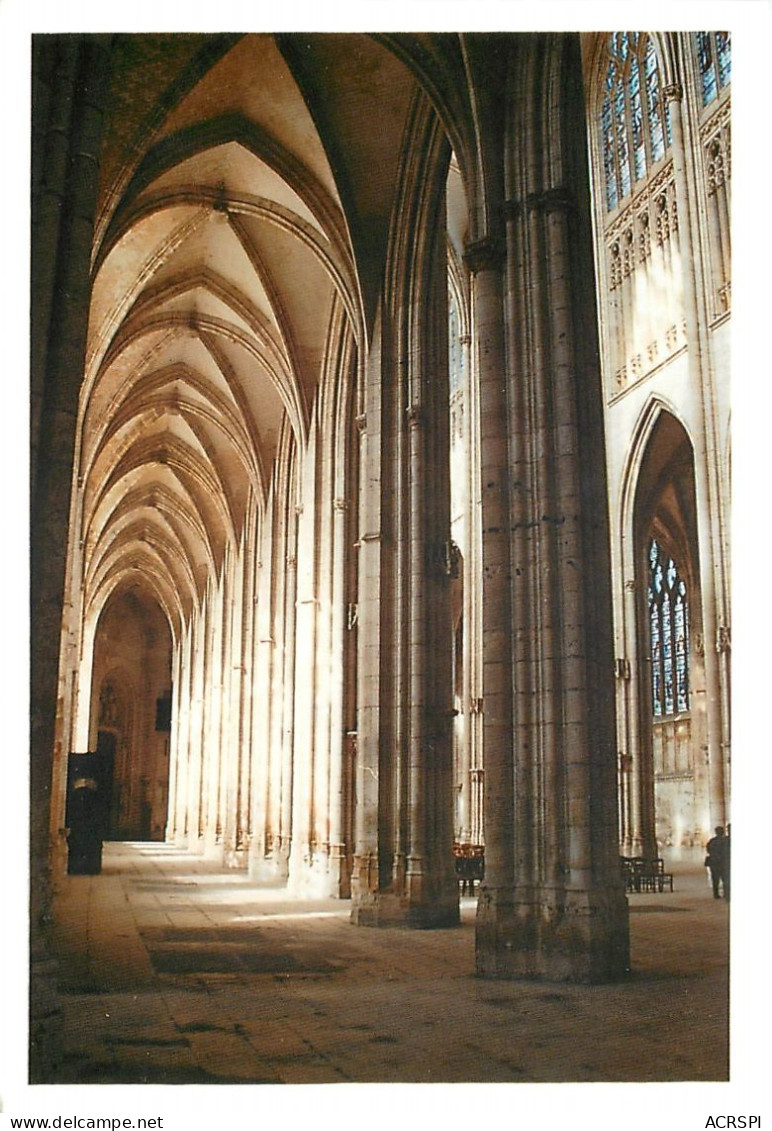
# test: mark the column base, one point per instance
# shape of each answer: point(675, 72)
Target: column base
point(419, 903)
point(552, 934)
point(271, 868)
point(319, 875)
point(384, 909)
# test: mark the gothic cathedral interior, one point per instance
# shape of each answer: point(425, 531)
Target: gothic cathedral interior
point(380, 469)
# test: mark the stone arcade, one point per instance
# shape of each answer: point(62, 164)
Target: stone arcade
point(380, 448)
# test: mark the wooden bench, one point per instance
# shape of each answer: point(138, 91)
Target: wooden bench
point(469, 861)
point(641, 874)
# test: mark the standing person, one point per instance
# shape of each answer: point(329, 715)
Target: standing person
point(716, 860)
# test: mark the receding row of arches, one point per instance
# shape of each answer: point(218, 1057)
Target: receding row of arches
point(130, 705)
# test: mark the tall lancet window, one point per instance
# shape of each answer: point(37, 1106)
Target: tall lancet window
point(714, 53)
point(634, 121)
point(668, 634)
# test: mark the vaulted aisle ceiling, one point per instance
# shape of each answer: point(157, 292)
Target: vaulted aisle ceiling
point(222, 256)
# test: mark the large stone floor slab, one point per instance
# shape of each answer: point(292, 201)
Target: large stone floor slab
point(172, 972)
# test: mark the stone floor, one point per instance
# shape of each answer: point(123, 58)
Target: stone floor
point(175, 972)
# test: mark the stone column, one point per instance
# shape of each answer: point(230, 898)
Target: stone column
point(642, 840)
point(707, 485)
point(232, 723)
point(373, 725)
point(337, 781)
point(175, 762)
point(303, 867)
point(403, 869)
point(70, 79)
point(287, 692)
point(417, 710)
point(552, 905)
point(263, 714)
point(472, 697)
point(212, 710)
point(485, 261)
point(198, 634)
point(248, 619)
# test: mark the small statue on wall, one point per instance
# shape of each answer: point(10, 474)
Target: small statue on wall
point(108, 706)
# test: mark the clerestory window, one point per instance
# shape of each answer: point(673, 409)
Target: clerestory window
point(634, 121)
point(669, 634)
point(714, 57)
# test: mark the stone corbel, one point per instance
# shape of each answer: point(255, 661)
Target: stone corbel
point(486, 254)
point(672, 92)
point(556, 199)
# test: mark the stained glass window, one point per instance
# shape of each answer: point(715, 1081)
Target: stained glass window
point(608, 157)
point(714, 56)
point(634, 123)
point(668, 634)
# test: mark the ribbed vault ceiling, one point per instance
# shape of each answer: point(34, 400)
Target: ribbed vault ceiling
point(223, 251)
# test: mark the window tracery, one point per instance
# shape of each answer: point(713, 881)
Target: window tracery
point(714, 56)
point(643, 323)
point(668, 634)
point(713, 51)
point(635, 124)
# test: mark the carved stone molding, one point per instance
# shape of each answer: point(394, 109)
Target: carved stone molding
point(673, 92)
point(486, 254)
point(557, 199)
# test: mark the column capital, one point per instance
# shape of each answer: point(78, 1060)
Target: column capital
point(559, 198)
point(486, 254)
point(673, 92)
point(414, 413)
point(361, 422)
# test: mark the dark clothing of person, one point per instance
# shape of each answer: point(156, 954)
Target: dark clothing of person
point(717, 861)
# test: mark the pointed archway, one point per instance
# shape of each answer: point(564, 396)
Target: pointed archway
point(663, 764)
point(131, 685)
